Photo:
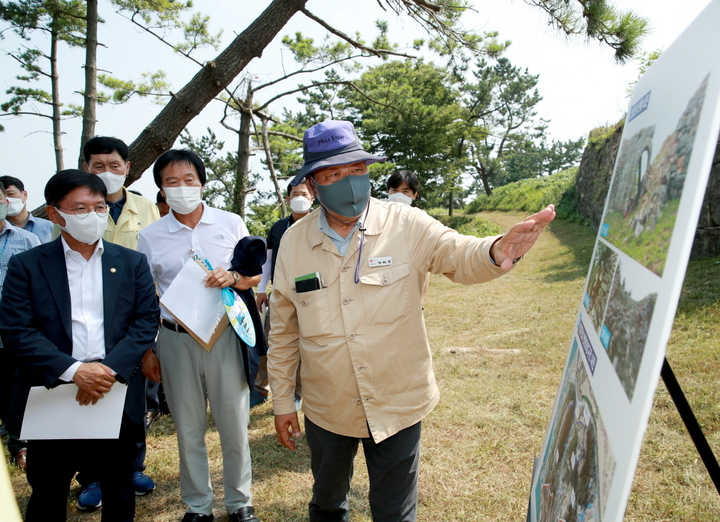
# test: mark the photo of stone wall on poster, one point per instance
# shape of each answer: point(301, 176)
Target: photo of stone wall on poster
point(585, 468)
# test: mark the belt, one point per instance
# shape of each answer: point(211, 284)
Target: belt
point(172, 326)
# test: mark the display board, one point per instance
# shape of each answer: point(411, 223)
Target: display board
point(591, 448)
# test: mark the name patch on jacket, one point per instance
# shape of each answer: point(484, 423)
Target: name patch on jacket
point(380, 261)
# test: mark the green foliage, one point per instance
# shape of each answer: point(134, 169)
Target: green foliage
point(410, 113)
point(61, 21)
point(470, 226)
point(322, 100)
point(162, 16)
point(598, 137)
point(597, 20)
point(22, 95)
point(528, 159)
point(531, 195)
point(261, 218)
point(645, 60)
point(501, 102)
point(153, 85)
point(196, 35)
point(155, 13)
point(286, 152)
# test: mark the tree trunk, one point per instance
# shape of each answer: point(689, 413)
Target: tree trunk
point(90, 103)
point(161, 133)
point(486, 185)
point(450, 204)
point(271, 168)
point(484, 176)
point(55, 90)
point(243, 162)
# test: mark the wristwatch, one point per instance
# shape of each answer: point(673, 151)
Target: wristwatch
point(237, 277)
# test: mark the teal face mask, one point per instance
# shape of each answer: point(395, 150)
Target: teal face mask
point(347, 197)
point(3, 211)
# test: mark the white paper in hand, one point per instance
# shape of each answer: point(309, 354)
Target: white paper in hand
point(55, 414)
point(197, 307)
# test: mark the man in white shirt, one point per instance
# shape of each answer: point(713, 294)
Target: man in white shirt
point(191, 375)
point(77, 310)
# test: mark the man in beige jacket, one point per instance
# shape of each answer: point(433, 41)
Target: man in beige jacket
point(347, 301)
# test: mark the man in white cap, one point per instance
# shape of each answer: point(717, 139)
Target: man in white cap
point(347, 302)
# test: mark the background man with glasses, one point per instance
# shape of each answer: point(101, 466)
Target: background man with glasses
point(79, 310)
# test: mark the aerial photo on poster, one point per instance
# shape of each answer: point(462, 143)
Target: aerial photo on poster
point(645, 193)
point(626, 325)
point(578, 466)
point(602, 272)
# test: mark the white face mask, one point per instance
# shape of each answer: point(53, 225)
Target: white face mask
point(87, 229)
point(399, 197)
point(15, 206)
point(300, 204)
point(183, 200)
point(113, 182)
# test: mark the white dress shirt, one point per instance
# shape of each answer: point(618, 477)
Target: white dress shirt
point(168, 244)
point(86, 305)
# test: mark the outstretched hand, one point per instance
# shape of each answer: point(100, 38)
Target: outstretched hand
point(521, 237)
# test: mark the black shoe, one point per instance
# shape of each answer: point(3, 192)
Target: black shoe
point(244, 514)
point(197, 517)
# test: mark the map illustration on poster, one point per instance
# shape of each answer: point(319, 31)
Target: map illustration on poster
point(586, 466)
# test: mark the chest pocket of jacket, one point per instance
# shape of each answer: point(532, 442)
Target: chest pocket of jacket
point(313, 313)
point(385, 294)
point(128, 233)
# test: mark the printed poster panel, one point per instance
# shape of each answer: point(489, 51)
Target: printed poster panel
point(586, 466)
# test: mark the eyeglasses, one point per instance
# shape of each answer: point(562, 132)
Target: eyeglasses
point(83, 212)
point(329, 175)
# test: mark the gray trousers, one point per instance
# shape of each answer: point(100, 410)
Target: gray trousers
point(192, 377)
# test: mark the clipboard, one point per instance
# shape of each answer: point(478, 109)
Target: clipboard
point(203, 316)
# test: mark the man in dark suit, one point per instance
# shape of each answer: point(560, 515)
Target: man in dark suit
point(83, 311)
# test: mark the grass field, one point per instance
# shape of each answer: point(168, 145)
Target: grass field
point(499, 352)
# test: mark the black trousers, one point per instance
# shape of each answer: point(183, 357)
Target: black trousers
point(51, 465)
point(393, 466)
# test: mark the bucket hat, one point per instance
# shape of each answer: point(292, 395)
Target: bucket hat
point(331, 143)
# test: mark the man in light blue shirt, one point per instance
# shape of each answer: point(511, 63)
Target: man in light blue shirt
point(13, 240)
point(17, 212)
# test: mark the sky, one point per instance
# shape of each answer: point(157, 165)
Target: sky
point(581, 84)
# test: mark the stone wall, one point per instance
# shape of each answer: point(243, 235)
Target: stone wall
point(707, 235)
point(593, 182)
point(595, 171)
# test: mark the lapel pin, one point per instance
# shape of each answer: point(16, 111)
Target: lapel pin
point(112, 270)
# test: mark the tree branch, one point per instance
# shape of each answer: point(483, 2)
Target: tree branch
point(307, 71)
point(162, 39)
point(377, 52)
